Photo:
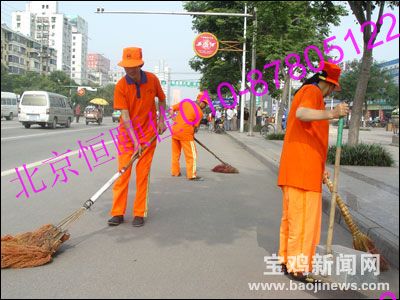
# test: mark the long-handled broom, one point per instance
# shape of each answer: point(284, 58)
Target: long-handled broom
point(221, 168)
point(361, 241)
point(36, 248)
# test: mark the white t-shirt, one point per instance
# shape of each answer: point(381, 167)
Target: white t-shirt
point(229, 114)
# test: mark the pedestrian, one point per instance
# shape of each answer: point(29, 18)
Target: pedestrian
point(134, 95)
point(238, 118)
point(234, 119)
point(246, 116)
point(301, 170)
point(229, 117)
point(187, 121)
point(211, 121)
point(218, 116)
point(258, 116)
point(77, 112)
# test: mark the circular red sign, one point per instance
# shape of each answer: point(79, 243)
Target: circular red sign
point(205, 45)
point(81, 91)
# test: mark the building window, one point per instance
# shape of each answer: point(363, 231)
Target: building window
point(53, 19)
point(73, 56)
point(18, 25)
point(47, 6)
point(18, 17)
point(73, 62)
point(42, 6)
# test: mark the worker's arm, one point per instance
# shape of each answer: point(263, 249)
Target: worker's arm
point(308, 114)
point(126, 120)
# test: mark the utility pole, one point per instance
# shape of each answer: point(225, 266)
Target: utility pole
point(253, 66)
point(243, 85)
point(101, 10)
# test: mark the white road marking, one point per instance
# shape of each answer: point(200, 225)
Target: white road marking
point(13, 138)
point(37, 163)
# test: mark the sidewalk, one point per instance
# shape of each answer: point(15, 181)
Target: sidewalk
point(371, 193)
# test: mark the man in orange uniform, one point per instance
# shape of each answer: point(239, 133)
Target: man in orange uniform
point(302, 168)
point(135, 96)
point(186, 124)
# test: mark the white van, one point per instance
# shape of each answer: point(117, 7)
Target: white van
point(9, 105)
point(44, 108)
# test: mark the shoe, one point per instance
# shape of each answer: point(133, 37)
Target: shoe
point(138, 221)
point(299, 276)
point(197, 178)
point(284, 269)
point(179, 175)
point(116, 220)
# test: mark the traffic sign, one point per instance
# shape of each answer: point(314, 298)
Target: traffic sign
point(182, 83)
point(206, 45)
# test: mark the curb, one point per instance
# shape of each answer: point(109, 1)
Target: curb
point(386, 242)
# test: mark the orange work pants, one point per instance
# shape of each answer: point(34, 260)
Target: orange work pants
point(189, 149)
point(300, 228)
point(120, 189)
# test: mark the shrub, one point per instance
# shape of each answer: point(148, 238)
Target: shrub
point(362, 155)
point(276, 136)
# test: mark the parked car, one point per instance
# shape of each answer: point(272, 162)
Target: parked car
point(116, 115)
point(93, 114)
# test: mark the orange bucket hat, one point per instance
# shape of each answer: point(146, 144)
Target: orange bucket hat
point(199, 96)
point(333, 73)
point(131, 57)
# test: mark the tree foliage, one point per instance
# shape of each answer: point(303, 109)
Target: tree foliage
point(380, 85)
point(56, 82)
point(363, 10)
point(283, 27)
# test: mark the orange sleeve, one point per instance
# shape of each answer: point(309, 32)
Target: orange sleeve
point(160, 92)
point(120, 101)
point(191, 111)
point(175, 107)
point(311, 98)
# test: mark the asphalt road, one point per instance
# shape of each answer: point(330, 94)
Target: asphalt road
point(201, 239)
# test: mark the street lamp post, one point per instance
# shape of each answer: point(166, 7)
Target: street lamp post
point(253, 67)
point(245, 15)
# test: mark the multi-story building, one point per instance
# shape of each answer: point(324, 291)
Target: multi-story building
point(42, 21)
point(116, 75)
point(20, 53)
point(98, 68)
point(79, 49)
point(392, 68)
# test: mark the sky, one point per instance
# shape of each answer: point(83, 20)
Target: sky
point(170, 37)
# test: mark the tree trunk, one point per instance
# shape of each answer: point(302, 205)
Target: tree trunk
point(356, 111)
point(283, 103)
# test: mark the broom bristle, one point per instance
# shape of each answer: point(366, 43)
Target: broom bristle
point(222, 168)
point(362, 242)
point(31, 249)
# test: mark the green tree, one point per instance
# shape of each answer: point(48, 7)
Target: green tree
point(363, 10)
point(284, 27)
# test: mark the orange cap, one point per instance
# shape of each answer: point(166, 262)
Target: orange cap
point(131, 57)
point(199, 96)
point(333, 74)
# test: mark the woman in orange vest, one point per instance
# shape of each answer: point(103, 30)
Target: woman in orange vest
point(301, 170)
point(135, 96)
point(187, 120)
